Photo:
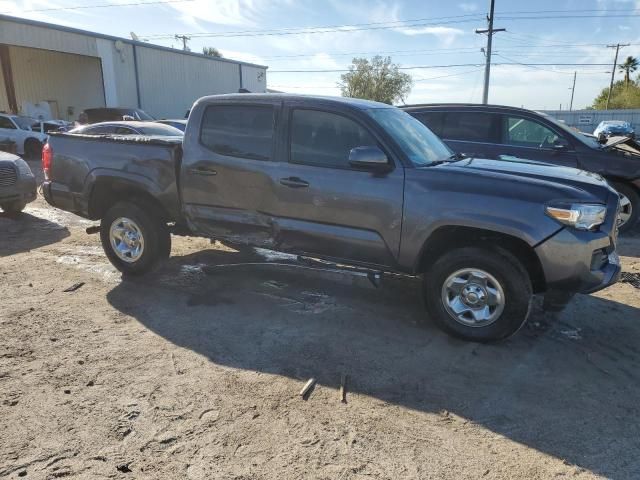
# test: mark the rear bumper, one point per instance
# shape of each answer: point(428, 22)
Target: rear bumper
point(23, 190)
point(59, 196)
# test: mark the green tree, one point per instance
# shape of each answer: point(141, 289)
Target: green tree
point(211, 52)
point(629, 66)
point(376, 79)
point(623, 96)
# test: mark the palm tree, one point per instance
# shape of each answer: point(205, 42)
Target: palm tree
point(629, 66)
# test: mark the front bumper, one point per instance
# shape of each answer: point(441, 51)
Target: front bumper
point(24, 190)
point(580, 262)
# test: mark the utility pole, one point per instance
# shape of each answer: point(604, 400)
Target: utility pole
point(487, 68)
point(573, 90)
point(184, 39)
point(613, 72)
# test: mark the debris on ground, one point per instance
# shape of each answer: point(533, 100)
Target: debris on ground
point(343, 388)
point(307, 387)
point(74, 287)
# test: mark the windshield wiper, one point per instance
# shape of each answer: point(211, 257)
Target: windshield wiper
point(450, 159)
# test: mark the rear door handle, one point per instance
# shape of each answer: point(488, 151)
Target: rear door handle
point(202, 171)
point(294, 182)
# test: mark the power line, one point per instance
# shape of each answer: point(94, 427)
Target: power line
point(103, 5)
point(419, 67)
point(312, 30)
point(411, 23)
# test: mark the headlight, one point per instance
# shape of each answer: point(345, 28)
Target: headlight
point(23, 168)
point(582, 216)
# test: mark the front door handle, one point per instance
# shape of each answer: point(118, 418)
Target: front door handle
point(203, 171)
point(294, 182)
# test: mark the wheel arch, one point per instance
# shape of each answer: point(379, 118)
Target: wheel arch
point(449, 237)
point(107, 191)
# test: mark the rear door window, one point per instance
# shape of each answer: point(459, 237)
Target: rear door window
point(244, 131)
point(523, 132)
point(325, 139)
point(433, 120)
point(471, 127)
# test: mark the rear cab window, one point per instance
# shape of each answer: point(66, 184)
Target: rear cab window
point(325, 139)
point(243, 131)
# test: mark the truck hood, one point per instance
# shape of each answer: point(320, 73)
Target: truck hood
point(520, 170)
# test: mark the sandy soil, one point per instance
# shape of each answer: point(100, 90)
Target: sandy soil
point(194, 373)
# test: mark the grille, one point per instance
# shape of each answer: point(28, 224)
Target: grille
point(8, 175)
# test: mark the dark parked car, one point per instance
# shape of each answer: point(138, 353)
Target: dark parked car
point(614, 128)
point(129, 128)
point(110, 114)
point(17, 183)
point(353, 182)
point(490, 131)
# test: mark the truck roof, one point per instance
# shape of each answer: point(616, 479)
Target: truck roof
point(479, 106)
point(248, 97)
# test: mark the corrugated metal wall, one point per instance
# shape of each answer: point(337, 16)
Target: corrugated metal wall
point(62, 79)
point(254, 79)
point(587, 120)
point(171, 82)
point(14, 33)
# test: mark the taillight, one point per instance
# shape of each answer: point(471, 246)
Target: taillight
point(47, 158)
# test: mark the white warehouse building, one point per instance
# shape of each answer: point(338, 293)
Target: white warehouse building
point(72, 70)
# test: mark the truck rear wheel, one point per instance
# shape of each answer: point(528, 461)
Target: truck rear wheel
point(478, 294)
point(134, 238)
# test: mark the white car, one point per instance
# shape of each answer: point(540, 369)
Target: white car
point(19, 130)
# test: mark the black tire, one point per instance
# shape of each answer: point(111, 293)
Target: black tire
point(506, 270)
point(153, 229)
point(629, 192)
point(14, 207)
point(32, 149)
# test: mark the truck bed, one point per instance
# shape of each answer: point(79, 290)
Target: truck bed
point(83, 164)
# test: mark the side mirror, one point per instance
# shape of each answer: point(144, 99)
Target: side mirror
point(369, 158)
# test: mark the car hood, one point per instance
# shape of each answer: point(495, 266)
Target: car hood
point(534, 169)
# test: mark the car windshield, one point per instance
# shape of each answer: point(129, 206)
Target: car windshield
point(417, 142)
point(142, 115)
point(160, 129)
point(24, 123)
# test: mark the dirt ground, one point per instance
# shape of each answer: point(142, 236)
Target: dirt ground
point(195, 372)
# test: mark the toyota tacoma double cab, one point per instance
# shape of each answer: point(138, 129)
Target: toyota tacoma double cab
point(353, 182)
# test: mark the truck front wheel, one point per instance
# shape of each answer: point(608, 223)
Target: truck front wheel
point(629, 206)
point(478, 294)
point(134, 237)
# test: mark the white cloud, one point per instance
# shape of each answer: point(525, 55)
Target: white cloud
point(239, 13)
point(468, 7)
point(447, 35)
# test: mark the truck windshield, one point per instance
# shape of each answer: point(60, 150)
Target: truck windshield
point(417, 142)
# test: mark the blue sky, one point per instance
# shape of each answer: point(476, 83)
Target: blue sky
point(440, 33)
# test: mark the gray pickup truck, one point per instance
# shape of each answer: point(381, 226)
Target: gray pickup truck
point(353, 182)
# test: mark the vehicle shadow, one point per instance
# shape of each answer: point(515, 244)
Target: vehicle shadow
point(567, 386)
point(23, 232)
